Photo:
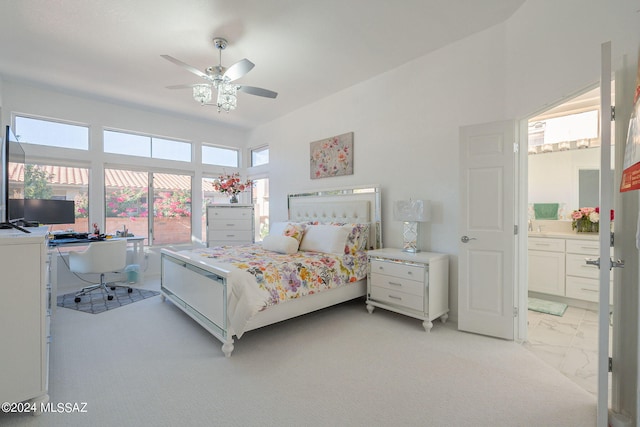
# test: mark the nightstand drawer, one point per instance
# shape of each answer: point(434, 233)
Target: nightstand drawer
point(398, 284)
point(396, 269)
point(397, 298)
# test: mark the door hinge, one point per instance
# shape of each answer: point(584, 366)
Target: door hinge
point(516, 148)
point(611, 364)
point(613, 113)
point(515, 311)
point(515, 229)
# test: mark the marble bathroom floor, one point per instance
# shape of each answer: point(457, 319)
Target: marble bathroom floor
point(568, 343)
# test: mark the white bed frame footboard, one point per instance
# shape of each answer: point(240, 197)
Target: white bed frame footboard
point(200, 289)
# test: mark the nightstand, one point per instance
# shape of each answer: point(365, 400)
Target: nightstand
point(413, 284)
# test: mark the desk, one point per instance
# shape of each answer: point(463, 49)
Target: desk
point(55, 246)
point(138, 247)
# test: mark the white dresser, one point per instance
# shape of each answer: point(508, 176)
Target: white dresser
point(413, 284)
point(230, 225)
point(25, 316)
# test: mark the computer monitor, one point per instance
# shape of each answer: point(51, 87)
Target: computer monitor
point(45, 211)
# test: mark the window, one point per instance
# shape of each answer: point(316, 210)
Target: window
point(260, 199)
point(54, 134)
point(53, 182)
point(170, 150)
point(260, 156)
point(146, 146)
point(127, 205)
point(220, 156)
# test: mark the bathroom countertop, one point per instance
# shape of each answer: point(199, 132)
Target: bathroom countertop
point(564, 235)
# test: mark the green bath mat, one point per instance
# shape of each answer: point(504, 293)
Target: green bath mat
point(548, 307)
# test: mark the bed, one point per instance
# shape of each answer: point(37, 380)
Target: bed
point(232, 290)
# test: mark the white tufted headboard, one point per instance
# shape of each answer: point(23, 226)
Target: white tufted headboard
point(354, 205)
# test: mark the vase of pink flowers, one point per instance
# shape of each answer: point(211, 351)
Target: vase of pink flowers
point(587, 220)
point(231, 185)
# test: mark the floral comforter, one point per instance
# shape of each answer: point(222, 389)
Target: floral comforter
point(283, 277)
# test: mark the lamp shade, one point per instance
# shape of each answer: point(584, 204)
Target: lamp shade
point(412, 210)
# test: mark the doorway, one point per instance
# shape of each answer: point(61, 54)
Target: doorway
point(563, 159)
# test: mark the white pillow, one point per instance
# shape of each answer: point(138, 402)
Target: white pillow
point(325, 238)
point(281, 244)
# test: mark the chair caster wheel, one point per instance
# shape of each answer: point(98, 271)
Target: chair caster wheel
point(109, 297)
point(113, 288)
point(77, 299)
point(129, 290)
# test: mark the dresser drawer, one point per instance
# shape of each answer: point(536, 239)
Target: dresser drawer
point(231, 224)
point(586, 247)
point(397, 298)
point(216, 236)
point(400, 270)
point(576, 266)
point(399, 284)
point(230, 213)
point(544, 244)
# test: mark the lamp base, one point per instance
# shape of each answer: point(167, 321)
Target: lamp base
point(411, 250)
point(410, 237)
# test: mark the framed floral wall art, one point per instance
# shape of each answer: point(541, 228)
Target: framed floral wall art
point(332, 156)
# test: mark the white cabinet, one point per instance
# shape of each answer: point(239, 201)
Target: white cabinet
point(547, 265)
point(229, 225)
point(25, 314)
point(582, 278)
point(557, 267)
point(413, 284)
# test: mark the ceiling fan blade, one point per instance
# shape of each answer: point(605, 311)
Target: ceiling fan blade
point(238, 69)
point(258, 91)
point(185, 66)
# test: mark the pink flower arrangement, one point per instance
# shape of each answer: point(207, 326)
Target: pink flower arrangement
point(231, 184)
point(587, 219)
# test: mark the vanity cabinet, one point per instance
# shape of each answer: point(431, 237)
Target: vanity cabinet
point(582, 278)
point(547, 265)
point(557, 266)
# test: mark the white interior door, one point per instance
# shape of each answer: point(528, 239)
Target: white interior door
point(606, 188)
point(487, 240)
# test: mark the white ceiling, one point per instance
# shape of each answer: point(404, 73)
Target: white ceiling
point(303, 49)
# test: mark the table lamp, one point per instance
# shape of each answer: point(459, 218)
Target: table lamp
point(411, 213)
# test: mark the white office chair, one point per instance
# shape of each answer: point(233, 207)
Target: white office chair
point(100, 257)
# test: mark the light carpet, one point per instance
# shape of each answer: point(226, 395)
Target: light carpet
point(148, 364)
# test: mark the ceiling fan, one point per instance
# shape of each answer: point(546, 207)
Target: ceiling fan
point(221, 79)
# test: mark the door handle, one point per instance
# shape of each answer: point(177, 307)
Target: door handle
point(465, 239)
point(617, 263)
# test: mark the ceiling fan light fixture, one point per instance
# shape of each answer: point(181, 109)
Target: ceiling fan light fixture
point(227, 96)
point(202, 93)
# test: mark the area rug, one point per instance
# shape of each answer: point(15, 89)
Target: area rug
point(96, 302)
point(548, 307)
